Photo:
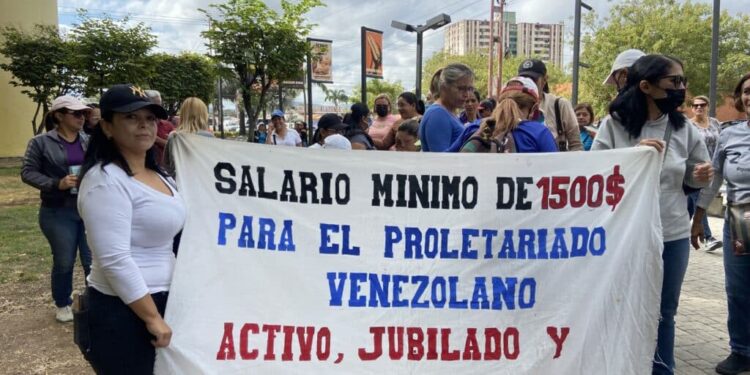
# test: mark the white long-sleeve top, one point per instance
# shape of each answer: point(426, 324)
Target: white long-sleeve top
point(129, 228)
point(686, 150)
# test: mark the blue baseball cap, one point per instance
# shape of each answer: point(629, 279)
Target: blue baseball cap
point(277, 113)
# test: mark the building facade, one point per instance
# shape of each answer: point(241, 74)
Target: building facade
point(544, 41)
point(17, 108)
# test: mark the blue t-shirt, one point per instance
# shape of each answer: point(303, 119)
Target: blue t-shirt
point(532, 136)
point(586, 140)
point(438, 129)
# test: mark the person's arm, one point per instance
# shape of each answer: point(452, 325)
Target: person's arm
point(570, 126)
point(605, 137)
point(167, 161)
point(699, 171)
point(297, 139)
point(708, 193)
point(31, 171)
point(146, 310)
point(388, 141)
point(437, 131)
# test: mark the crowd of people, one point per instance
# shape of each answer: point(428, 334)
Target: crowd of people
point(105, 174)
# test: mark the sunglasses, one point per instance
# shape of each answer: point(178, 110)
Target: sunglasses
point(699, 105)
point(78, 114)
point(677, 80)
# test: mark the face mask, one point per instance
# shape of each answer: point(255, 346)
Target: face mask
point(381, 110)
point(674, 100)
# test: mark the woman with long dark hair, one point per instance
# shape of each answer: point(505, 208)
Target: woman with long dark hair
point(51, 165)
point(356, 130)
point(132, 212)
point(646, 113)
point(730, 160)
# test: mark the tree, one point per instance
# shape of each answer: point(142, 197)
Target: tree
point(479, 62)
point(40, 63)
point(182, 76)
point(261, 45)
point(111, 52)
point(336, 96)
point(685, 33)
point(376, 87)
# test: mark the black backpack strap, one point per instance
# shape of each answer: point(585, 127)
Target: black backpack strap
point(558, 119)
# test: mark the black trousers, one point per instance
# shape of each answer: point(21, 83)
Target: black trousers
point(119, 340)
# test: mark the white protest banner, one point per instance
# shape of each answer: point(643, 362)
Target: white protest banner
point(328, 261)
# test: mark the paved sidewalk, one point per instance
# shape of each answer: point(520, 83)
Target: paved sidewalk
point(702, 339)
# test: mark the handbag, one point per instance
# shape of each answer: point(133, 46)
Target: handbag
point(738, 220)
point(81, 336)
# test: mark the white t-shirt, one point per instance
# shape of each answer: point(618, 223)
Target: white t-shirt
point(129, 228)
point(292, 138)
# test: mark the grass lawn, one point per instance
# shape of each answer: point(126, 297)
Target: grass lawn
point(24, 252)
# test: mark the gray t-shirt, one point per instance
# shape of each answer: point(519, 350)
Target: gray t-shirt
point(686, 150)
point(710, 134)
point(731, 163)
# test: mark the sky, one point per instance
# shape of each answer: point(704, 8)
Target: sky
point(178, 23)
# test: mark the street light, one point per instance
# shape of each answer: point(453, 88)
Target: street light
point(433, 23)
point(577, 47)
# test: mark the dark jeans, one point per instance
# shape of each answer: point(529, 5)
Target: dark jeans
point(692, 199)
point(675, 257)
point(66, 236)
point(120, 342)
point(737, 284)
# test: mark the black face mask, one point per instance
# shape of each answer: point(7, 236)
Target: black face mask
point(381, 110)
point(674, 100)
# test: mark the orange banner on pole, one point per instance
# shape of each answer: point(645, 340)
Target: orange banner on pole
point(373, 46)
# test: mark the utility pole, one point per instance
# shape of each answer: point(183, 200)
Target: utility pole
point(577, 48)
point(714, 59)
point(501, 48)
point(492, 43)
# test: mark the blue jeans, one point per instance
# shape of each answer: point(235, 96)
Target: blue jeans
point(675, 257)
point(737, 284)
point(66, 236)
point(692, 203)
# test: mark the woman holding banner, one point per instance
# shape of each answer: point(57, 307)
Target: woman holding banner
point(732, 153)
point(645, 113)
point(132, 212)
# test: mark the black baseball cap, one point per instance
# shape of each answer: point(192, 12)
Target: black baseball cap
point(533, 69)
point(127, 98)
point(330, 121)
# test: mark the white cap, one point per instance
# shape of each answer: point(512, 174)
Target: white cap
point(625, 59)
point(338, 142)
point(69, 102)
point(526, 85)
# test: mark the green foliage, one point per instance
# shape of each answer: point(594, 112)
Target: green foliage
point(40, 63)
point(376, 87)
point(668, 27)
point(261, 45)
point(111, 51)
point(479, 64)
point(337, 97)
point(182, 76)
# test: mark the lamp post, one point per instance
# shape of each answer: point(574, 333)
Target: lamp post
point(577, 48)
point(714, 58)
point(433, 23)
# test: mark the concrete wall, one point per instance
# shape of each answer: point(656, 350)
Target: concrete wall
point(17, 109)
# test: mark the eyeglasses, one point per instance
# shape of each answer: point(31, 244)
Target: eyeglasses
point(699, 105)
point(78, 114)
point(677, 80)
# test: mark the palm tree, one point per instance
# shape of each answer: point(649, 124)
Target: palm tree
point(336, 96)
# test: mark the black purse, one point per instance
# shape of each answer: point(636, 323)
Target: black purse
point(81, 335)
